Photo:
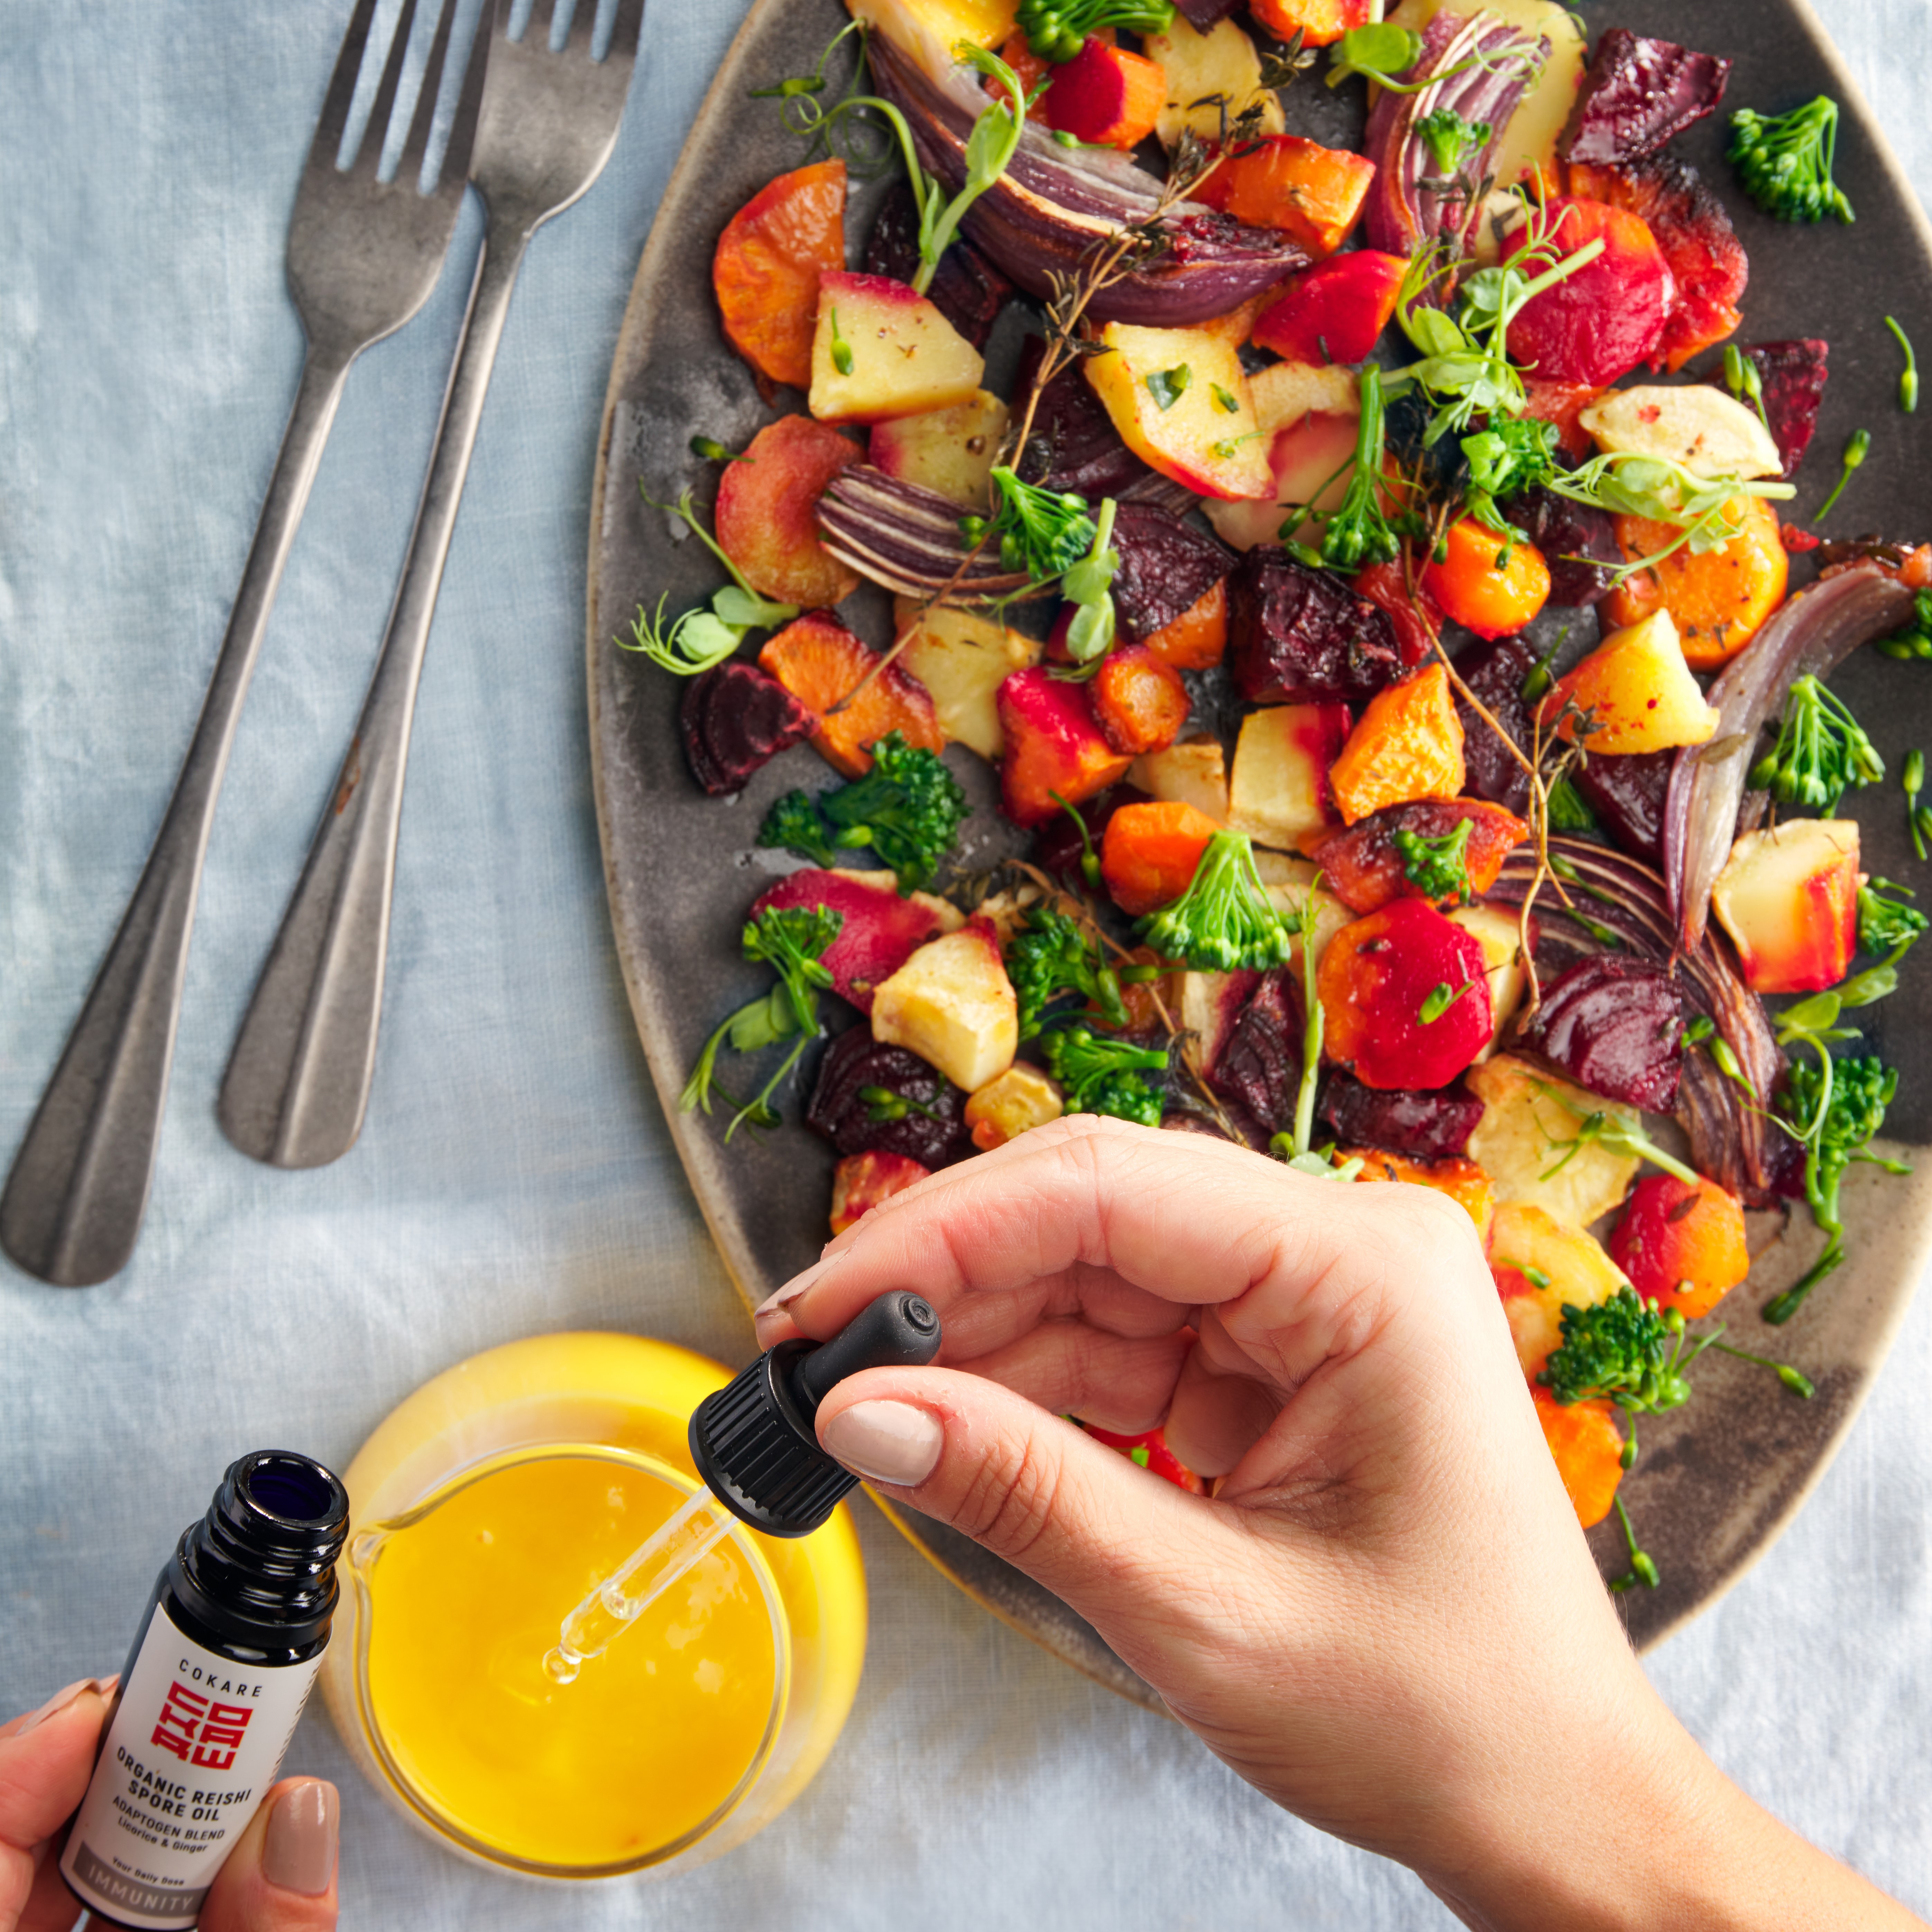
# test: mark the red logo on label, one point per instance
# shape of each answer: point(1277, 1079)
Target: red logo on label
point(198, 1732)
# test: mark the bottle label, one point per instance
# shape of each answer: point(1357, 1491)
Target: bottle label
point(195, 1744)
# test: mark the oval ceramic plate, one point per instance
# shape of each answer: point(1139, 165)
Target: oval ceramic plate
point(1719, 1479)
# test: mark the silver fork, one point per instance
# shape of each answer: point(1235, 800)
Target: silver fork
point(363, 255)
point(298, 1082)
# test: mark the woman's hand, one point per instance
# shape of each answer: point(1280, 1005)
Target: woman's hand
point(1387, 1617)
point(280, 1876)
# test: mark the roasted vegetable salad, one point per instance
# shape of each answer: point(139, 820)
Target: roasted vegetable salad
point(1232, 583)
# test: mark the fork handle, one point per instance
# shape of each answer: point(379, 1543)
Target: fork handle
point(75, 1197)
point(298, 1081)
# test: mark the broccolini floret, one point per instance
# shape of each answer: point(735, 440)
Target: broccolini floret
point(907, 808)
point(1044, 532)
point(792, 940)
point(1438, 868)
point(1785, 161)
point(1358, 532)
point(1104, 1076)
point(1822, 751)
point(1056, 30)
point(1514, 454)
point(1225, 920)
point(1885, 924)
point(1448, 137)
point(1051, 957)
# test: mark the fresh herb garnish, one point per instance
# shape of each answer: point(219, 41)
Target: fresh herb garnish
point(1742, 379)
point(710, 450)
point(1822, 752)
point(698, 641)
point(1511, 455)
point(1298, 1148)
point(1914, 782)
point(1643, 1567)
point(790, 940)
point(1440, 998)
point(1856, 450)
point(1661, 491)
point(1167, 386)
point(1908, 380)
point(1225, 400)
point(1089, 859)
point(1785, 161)
point(841, 349)
point(1567, 811)
point(883, 1104)
point(1615, 1133)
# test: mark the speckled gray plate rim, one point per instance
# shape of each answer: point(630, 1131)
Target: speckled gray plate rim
point(1719, 1479)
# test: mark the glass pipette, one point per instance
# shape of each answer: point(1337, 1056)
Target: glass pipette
point(754, 1446)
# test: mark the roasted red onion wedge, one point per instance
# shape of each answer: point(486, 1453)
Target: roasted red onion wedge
point(1053, 205)
point(1619, 908)
point(1411, 203)
point(1813, 634)
point(906, 537)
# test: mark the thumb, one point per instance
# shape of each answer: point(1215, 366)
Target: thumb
point(280, 1877)
point(1103, 1535)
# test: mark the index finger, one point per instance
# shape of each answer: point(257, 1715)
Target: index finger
point(1183, 1219)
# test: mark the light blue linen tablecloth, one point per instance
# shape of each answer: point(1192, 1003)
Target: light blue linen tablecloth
point(515, 1175)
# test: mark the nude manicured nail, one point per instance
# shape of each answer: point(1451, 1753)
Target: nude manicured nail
point(300, 1853)
point(889, 1442)
point(773, 1304)
point(61, 1699)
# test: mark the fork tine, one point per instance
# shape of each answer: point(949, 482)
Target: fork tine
point(410, 167)
point(583, 23)
point(541, 30)
point(626, 31)
point(335, 104)
point(375, 136)
point(463, 129)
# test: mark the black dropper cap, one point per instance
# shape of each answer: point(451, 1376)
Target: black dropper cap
point(753, 1441)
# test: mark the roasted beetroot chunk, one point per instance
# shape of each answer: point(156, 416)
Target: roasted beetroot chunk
point(1627, 794)
point(1259, 1069)
point(1793, 375)
point(1073, 444)
point(967, 288)
point(734, 719)
point(1707, 259)
point(1202, 14)
point(1565, 532)
point(854, 1060)
point(1166, 567)
point(1298, 636)
point(1616, 1026)
point(1637, 94)
point(1495, 673)
point(1428, 1126)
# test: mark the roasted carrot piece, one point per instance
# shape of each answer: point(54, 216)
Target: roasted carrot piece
point(1488, 583)
point(1197, 638)
point(820, 662)
point(1106, 96)
point(767, 266)
point(1583, 1439)
point(1148, 856)
point(1054, 755)
point(1718, 600)
point(1140, 704)
point(1408, 744)
point(766, 516)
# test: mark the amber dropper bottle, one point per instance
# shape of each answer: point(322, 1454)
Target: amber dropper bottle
point(221, 1664)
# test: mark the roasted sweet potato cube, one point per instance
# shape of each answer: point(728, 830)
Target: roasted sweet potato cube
point(1106, 96)
point(1682, 1246)
point(1589, 1452)
point(1408, 744)
point(1140, 704)
point(820, 662)
point(1195, 640)
point(1463, 1181)
point(1313, 193)
point(766, 519)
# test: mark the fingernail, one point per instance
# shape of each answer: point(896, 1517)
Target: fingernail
point(889, 1442)
point(300, 1853)
point(799, 1283)
point(61, 1699)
